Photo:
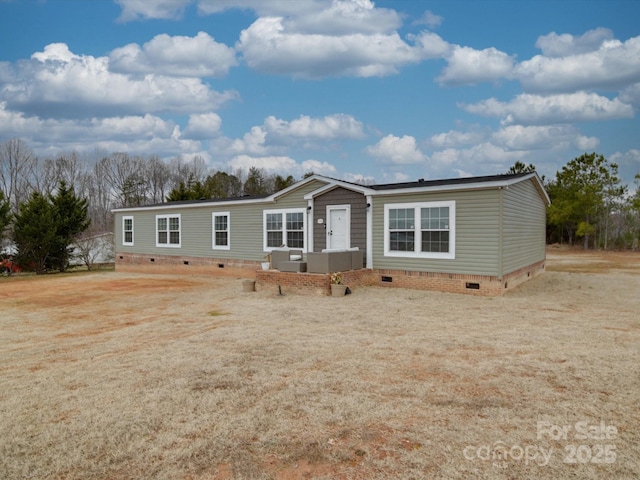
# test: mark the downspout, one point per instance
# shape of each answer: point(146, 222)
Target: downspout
point(500, 232)
point(369, 232)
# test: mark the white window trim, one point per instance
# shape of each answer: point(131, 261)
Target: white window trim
point(168, 217)
point(284, 212)
point(418, 232)
point(213, 230)
point(124, 242)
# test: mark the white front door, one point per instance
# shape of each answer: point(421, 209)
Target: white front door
point(338, 227)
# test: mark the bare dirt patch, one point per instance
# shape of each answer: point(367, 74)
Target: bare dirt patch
point(114, 375)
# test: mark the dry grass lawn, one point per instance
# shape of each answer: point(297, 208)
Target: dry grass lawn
point(111, 375)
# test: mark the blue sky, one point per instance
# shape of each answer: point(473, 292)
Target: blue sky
point(383, 91)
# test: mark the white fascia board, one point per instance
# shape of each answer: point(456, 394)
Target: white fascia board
point(464, 186)
point(335, 184)
point(219, 203)
point(269, 199)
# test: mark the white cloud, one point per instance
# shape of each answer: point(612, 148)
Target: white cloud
point(263, 7)
point(281, 165)
point(454, 138)
point(628, 166)
point(58, 82)
point(612, 66)
point(468, 66)
point(397, 150)
point(563, 137)
point(430, 19)
point(268, 47)
point(203, 125)
point(158, 9)
point(276, 134)
point(554, 45)
point(253, 142)
point(326, 128)
point(330, 17)
point(175, 56)
point(315, 166)
point(538, 109)
point(134, 134)
point(631, 94)
point(346, 17)
point(485, 157)
point(359, 178)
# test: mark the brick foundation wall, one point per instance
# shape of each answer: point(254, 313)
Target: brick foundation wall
point(442, 282)
point(291, 282)
point(514, 279)
point(185, 265)
point(317, 283)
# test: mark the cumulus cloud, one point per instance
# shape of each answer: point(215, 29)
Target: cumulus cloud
point(344, 17)
point(305, 39)
point(159, 9)
point(429, 19)
point(326, 128)
point(631, 94)
point(397, 150)
point(175, 56)
point(629, 166)
point(486, 157)
point(58, 82)
point(454, 138)
point(554, 45)
point(275, 134)
point(263, 7)
point(359, 178)
point(562, 137)
point(203, 125)
point(268, 47)
point(613, 65)
point(468, 66)
point(134, 134)
point(549, 109)
point(281, 164)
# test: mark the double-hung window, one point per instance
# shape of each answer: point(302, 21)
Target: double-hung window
point(168, 231)
point(285, 228)
point(221, 231)
point(424, 230)
point(127, 230)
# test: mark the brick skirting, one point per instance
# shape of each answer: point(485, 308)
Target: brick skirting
point(185, 265)
point(318, 283)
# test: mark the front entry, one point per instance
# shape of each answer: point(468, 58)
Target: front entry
point(338, 227)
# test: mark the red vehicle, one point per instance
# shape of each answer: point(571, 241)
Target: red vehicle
point(8, 266)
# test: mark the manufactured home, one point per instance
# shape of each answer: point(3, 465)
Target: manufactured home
point(480, 235)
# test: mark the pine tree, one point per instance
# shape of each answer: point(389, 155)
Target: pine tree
point(34, 232)
point(70, 215)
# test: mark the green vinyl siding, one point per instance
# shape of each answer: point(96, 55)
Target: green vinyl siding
point(245, 226)
point(524, 224)
point(477, 233)
point(340, 196)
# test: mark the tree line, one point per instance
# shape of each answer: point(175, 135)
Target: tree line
point(56, 200)
point(590, 205)
point(29, 187)
point(118, 180)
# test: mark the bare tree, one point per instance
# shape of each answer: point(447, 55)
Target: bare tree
point(125, 177)
point(92, 248)
point(159, 178)
point(17, 167)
